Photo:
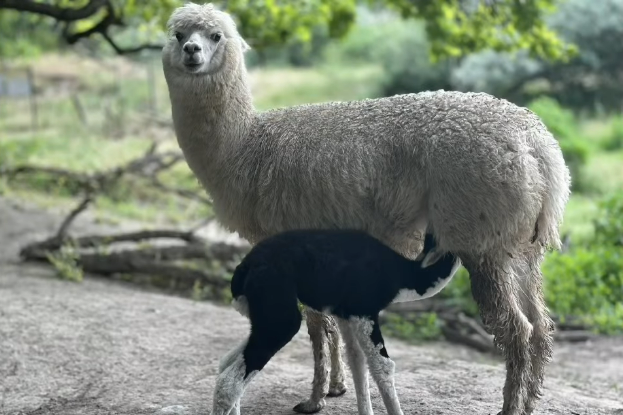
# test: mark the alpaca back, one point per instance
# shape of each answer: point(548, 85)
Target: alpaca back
point(388, 166)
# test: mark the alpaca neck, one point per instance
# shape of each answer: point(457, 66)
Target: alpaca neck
point(212, 116)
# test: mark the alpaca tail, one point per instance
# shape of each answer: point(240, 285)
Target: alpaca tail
point(557, 182)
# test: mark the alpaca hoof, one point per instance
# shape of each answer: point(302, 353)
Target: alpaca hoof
point(337, 390)
point(309, 407)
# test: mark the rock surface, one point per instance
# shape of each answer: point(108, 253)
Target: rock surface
point(100, 347)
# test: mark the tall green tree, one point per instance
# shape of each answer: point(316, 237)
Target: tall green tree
point(454, 27)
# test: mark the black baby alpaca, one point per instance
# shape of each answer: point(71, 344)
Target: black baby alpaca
point(348, 274)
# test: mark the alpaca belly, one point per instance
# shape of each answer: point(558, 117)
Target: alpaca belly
point(405, 295)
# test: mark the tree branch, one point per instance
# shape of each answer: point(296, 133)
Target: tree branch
point(126, 51)
point(70, 15)
point(63, 14)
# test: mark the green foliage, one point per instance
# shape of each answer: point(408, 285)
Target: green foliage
point(459, 293)
point(29, 34)
point(424, 326)
point(562, 124)
point(65, 262)
point(588, 81)
point(269, 22)
point(18, 151)
point(588, 281)
point(614, 139)
point(454, 28)
point(609, 224)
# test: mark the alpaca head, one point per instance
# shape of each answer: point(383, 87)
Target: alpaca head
point(202, 41)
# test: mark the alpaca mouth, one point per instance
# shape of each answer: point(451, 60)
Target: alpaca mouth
point(192, 64)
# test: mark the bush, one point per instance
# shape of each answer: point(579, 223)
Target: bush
point(614, 140)
point(609, 224)
point(588, 281)
point(563, 125)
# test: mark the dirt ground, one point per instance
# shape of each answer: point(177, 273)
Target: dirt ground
point(101, 347)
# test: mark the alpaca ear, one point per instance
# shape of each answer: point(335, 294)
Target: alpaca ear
point(244, 45)
point(432, 257)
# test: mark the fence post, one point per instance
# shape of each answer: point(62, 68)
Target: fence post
point(151, 85)
point(34, 114)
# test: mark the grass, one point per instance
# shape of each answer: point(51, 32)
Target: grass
point(285, 87)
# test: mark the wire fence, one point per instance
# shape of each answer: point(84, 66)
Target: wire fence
point(109, 99)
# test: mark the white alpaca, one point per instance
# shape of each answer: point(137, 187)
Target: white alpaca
point(484, 175)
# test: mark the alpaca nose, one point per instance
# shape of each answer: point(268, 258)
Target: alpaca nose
point(191, 47)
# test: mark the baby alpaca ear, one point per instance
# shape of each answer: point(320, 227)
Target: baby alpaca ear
point(432, 257)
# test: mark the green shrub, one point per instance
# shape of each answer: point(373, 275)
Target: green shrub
point(562, 124)
point(65, 262)
point(614, 139)
point(609, 224)
point(459, 293)
point(18, 151)
point(412, 327)
point(588, 281)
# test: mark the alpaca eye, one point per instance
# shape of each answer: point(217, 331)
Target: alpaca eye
point(215, 37)
point(179, 36)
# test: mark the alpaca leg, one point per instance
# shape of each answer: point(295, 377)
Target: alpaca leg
point(227, 361)
point(316, 327)
point(495, 289)
point(275, 320)
point(368, 333)
point(357, 363)
point(231, 382)
point(337, 387)
point(236, 409)
point(528, 268)
point(231, 357)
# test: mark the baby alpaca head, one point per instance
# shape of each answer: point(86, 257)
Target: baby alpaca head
point(431, 255)
point(202, 41)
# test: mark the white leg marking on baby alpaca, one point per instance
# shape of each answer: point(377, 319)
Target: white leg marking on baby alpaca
point(357, 363)
point(236, 409)
point(230, 383)
point(381, 367)
point(231, 356)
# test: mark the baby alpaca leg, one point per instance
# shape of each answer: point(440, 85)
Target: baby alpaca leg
point(368, 333)
point(337, 387)
point(320, 347)
point(528, 269)
point(274, 322)
point(357, 363)
point(231, 382)
point(495, 289)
